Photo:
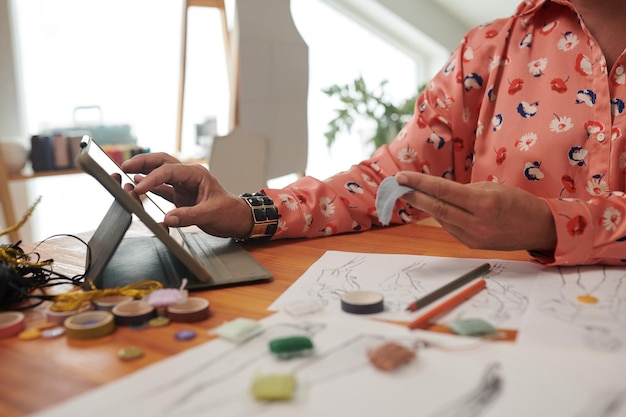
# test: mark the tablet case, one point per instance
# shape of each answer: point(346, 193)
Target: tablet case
point(117, 261)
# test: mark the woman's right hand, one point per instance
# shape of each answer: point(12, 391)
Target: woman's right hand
point(199, 198)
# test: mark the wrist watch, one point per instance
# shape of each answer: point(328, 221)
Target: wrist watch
point(264, 214)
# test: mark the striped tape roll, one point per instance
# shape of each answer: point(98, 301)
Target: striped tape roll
point(89, 325)
point(11, 323)
point(192, 309)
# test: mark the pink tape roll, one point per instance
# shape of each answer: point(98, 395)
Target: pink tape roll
point(60, 316)
point(192, 309)
point(11, 323)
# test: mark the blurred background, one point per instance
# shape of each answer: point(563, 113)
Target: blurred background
point(118, 62)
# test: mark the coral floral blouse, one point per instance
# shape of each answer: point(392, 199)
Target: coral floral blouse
point(526, 101)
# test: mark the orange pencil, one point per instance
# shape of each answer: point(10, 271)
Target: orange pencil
point(425, 319)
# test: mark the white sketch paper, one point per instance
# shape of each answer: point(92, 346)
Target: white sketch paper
point(579, 306)
point(450, 377)
point(404, 278)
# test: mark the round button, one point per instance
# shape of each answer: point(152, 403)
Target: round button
point(158, 321)
point(53, 332)
point(128, 353)
point(29, 334)
point(185, 335)
point(619, 70)
point(600, 137)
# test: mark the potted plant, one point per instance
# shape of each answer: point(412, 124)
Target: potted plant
point(360, 103)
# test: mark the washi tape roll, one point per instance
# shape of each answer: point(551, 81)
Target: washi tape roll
point(362, 302)
point(192, 309)
point(107, 303)
point(59, 317)
point(11, 323)
point(133, 313)
point(90, 325)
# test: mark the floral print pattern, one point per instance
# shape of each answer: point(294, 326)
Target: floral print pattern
point(527, 102)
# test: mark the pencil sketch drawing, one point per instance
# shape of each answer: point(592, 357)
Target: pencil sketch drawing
point(333, 282)
point(503, 300)
point(593, 300)
point(403, 287)
point(610, 403)
point(477, 401)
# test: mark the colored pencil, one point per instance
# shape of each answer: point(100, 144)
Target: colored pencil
point(449, 287)
point(425, 319)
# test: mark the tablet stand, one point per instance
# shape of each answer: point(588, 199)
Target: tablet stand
point(117, 262)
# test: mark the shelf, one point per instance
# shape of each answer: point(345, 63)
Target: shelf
point(27, 176)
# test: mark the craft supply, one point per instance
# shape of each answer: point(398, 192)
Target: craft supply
point(133, 313)
point(448, 304)
point(449, 287)
point(76, 300)
point(11, 323)
point(291, 346)
point(29, 334)
point(274, 387)
point(109, 301)
point(159, 321)
point(46, 325)
point(390, 356)
point(59, 317)
point(472, 327)
point(239, 330)
point(185, 335)
point(90, 325)
point(191, 310)
point(52, 332)
point(167, 296)
point(130, 353)
point(22, 221)
point(388, 192)
point(362, 302)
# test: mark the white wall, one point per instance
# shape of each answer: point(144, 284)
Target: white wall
point(11, 121)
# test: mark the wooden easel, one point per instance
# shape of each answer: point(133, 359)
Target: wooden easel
point(219, 4)
point(7, 202)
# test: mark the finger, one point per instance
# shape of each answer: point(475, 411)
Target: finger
point(165, 174)
point(146, 163)
point(164, 227)
point(181, 217)
point(450, 192)
point(117, 177)
point(440, 210)
point(164, 191)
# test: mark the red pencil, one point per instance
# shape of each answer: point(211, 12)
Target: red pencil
point(425, 319)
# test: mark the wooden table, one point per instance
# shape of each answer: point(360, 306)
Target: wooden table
point(37, 374)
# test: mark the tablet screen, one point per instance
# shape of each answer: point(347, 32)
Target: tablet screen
point(154, 205)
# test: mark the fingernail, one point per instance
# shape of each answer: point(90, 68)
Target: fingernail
point(173, 221)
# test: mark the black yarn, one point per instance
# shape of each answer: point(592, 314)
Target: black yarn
point(26, 281)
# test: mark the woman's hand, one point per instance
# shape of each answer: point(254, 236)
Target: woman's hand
point(199, 198)
point(483, 215)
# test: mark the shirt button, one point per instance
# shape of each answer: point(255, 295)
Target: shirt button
point(600, 137)
point(619, 70)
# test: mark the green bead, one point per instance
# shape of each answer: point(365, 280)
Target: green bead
point(291, 346)
point(472, 327)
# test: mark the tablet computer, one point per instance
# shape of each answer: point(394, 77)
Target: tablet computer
point(168, 255)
